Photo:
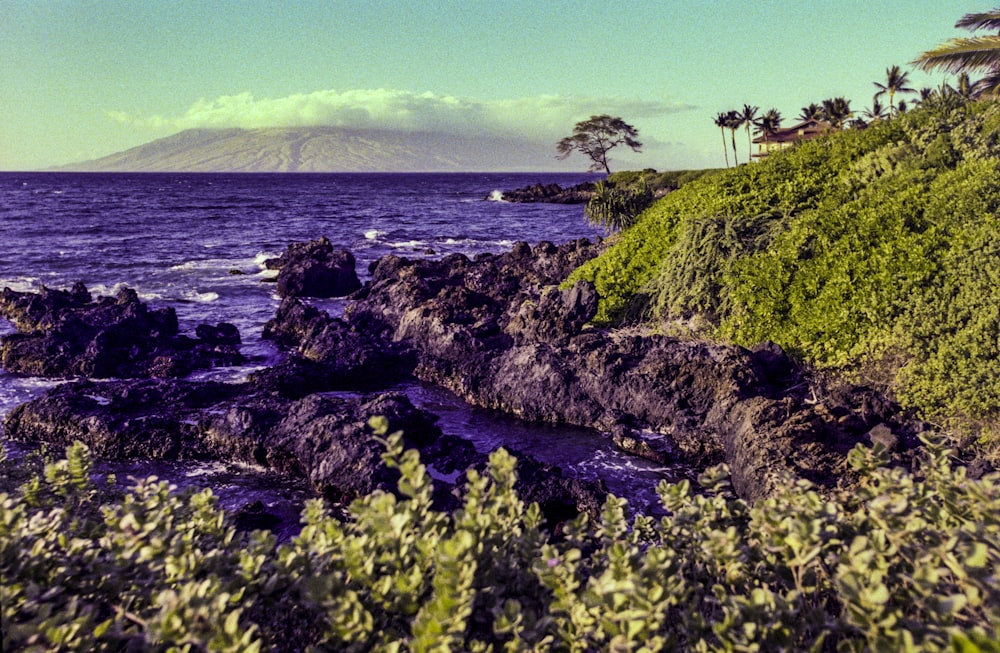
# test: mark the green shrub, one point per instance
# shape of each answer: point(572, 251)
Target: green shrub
point(867, 251)
point(906, 561)
point(616, 208)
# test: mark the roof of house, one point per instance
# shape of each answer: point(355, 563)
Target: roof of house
point(805, 130)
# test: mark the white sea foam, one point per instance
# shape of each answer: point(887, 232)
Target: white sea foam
point(224, 264)
point(200, 297)
point(496, 196)
point(373, 234)
point(21, 284)
point(104, 290)
point(263, 256)
point(410, 244)
point(191, 265)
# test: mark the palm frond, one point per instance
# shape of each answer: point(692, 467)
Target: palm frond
point(959, 55)
point(985, 20)
point(989, 85)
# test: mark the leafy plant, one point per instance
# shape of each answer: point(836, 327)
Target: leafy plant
point(615, 208)
point(903, 561)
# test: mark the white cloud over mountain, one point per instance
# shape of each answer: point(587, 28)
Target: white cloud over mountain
point(543, 117)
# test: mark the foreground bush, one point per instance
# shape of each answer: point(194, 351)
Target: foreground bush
point(875, 252)
point(906, 562)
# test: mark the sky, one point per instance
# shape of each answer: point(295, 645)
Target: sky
point(82, 79)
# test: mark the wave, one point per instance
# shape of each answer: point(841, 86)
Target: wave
point(465, 241)
point(104, 290)
point(21, 284)
point(496, 196)
point(200, 297)
point(407, 244)
point(373, 234)
point(263, 256)
point(202, 264)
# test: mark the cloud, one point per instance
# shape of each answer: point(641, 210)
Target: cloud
point(543, 117)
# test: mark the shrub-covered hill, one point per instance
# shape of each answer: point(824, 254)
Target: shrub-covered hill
point(875, 251)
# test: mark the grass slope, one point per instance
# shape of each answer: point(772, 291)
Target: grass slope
point(876, 251)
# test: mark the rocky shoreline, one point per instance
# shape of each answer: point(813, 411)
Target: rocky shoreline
point(498, 330)
point(553, 193)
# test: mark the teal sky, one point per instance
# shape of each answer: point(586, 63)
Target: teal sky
point(82, 79)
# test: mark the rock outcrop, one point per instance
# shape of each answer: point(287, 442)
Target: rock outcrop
point(553, 193)
point(69, 333)
point(499, 332)
point(324, 439)
point(315, 269)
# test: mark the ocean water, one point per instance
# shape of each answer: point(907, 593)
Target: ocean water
point(197, 242)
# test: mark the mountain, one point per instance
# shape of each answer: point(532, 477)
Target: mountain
point(326, 149)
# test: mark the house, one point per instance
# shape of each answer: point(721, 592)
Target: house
point(784, 137)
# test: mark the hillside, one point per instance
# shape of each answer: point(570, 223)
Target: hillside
point(874, 252)
point(324, 149)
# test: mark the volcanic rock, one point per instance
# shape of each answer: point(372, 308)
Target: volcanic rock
point(315, 269)
point(500, 332)
point(68, 333)
point(553, 193)
point(325, 439)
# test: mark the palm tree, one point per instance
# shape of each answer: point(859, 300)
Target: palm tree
point(837, 111)
point(877, 112)
point(812, 112)
point(768, 124)
point(722, 121)
point(967, 88)
point(971, 54)
point(895, 82)
point(734, 120)
point(749, 116)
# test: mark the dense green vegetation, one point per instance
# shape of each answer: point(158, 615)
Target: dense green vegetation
point(659, 183)
point(905, 562)
point(618, 201)
point(875, 251)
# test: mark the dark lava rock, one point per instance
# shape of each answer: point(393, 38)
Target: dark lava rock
point(330, 354)
point(554, 193)
point(315, 269)
point(324, 439)
point(499, 332)
point(255, 517)
point(68, 333)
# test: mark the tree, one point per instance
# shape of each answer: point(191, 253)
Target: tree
point(749, 117)
point(970, 54)
point(768, 124)
point(877, 111)
point(598, 136)
point(837, 111)
point(722, 121)
point(895, 82)
point(812, 112)
point(925, 94)
point(734, 120)
point(967, 88)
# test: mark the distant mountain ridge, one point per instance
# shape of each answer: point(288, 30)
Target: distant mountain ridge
point(326, 149)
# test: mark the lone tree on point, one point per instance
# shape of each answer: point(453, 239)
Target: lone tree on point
point(596, 137)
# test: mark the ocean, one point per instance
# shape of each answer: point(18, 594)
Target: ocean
point(197, 243)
